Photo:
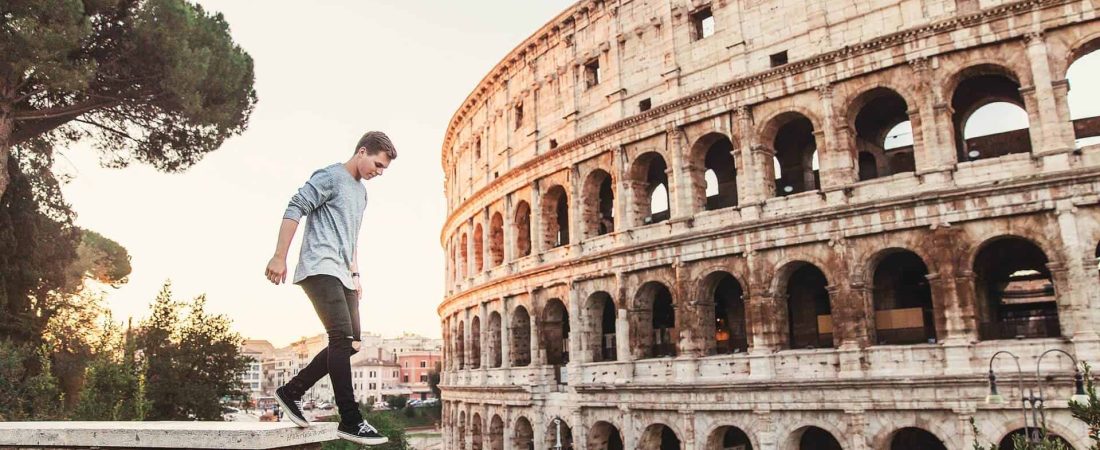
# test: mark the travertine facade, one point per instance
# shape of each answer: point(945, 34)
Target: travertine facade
point(700, 225)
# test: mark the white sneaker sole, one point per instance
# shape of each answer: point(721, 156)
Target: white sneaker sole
point(299, 422)
point(361, 440)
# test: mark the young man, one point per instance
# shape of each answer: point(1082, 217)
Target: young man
point(333, 199)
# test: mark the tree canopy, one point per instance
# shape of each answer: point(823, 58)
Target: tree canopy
point(159, 82)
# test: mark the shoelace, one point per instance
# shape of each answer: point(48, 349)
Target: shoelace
point(299, 404)
point(364, 427)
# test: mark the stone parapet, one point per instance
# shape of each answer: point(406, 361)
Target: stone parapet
point(147, 435)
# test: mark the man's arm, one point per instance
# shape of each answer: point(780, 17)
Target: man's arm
point(276, 267)
point(355, 270)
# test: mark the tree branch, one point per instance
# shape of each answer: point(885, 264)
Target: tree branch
point(105, 127)
point(62, 112)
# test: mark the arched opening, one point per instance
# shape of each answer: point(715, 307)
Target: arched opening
point(555, 213)
point(460, 341)
point(496, 239)
point(475, 433)
point(559, 435)
point(496, 433)
point(601, 322)
point(494, 340)
point(655, 322)
point(1008, 444)
point(523, 437)
point(475, 343)
point(464, 249)
point(814, 438)
point(1083, 91)
point(1014, 291)
point(520, 347)
point(989, 116)
point(729, 438)
point(479, 249)
point(555, 333)
point(882, 117)
point(659, 437)
point(915, 439)
point(902, 299)
point(795, 149)
point(730, 333)
point(649, 181)
point(713, 153)
point(604, 436)
point(809, 313)
point(462, 430)
point(599, 204)
point(523, 229)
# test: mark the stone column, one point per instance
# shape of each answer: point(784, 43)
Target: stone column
point(687, 424)
point(835, 150)
point(681, 200)
point(537, 245)
point(763, 332)
point(576, 209)
point(621, 195)
point(857, 430)
point(471, 250)
point(752, 173)
point(483, 338)
point(506, 333)
point(1079, 303)
point(1050, 129)
point(509, 224)
point(466, 333)
point(933, 135)
point(576, 331)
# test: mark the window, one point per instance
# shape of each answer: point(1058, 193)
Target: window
point(424, 378)
point(405, 379)
point(423, 364)
point(592, 73)
point(373, 386)
point(477, 148)
point(703, 23)
point(406, 364)
point(779, 59)
point(519, 115)
point(645, 105)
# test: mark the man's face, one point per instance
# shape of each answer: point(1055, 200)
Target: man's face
point(371, 166)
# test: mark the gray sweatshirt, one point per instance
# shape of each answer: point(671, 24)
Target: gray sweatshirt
point(334, 202)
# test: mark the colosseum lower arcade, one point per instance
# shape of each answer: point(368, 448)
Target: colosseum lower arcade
point(774, 224)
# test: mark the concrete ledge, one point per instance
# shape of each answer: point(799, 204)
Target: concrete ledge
point(144, 435)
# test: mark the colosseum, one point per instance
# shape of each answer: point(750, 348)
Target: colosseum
point(774, 224)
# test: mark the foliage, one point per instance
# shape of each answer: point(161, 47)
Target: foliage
point(26, 393)
point(114, 388)
point(1089, 413)
point(191, 362)
point(433, 380)
point(397, 401)
point(155, 81)
point(1020, 441)
point(387, 424)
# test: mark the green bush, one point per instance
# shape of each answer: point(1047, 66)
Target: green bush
point(386, 424)
point(27, 388)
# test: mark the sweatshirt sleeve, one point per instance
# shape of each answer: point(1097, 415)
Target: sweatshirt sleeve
point(316, 191)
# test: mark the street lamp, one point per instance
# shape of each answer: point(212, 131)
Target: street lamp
point(557, 428)
point(1033, 401)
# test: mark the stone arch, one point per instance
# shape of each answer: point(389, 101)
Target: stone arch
point(1007, 442)
point(659, 436)
point(728, 437)
point(725, 319)
point(901, 297)
point(1085, 123)
point(654, 327)
point(792, 138)
point(555, 332)
point(555, 217)
point(460, 341)
point(913, 438)
point(494, 340)
point(1064, 427)
point(475, 343)
point(496, 239)
point(598, 200)
point(649, 180)
point(714, 172)
point(476, 437)
point(873, 115)
point(975, 87)
point(554, 433)
point(600, 315)
point(520, 344)
point(605, 436)
point(802, 288)
point(522, 225)
point(1014, 290)
point(812, 437)
point(523, 436)
point(496, 433)
point(462, 430)
point(479, 248)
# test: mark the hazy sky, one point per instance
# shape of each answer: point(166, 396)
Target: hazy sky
point(325, 73)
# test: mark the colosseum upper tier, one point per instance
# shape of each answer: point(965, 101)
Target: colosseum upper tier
point(773, 224)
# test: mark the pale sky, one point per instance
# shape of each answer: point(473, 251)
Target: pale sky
point(325, 74)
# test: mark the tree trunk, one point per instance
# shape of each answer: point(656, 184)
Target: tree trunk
point(7, 126)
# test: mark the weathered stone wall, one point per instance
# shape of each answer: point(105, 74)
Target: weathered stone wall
point(992, 241)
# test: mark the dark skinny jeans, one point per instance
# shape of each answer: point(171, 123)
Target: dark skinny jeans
point(338, 308)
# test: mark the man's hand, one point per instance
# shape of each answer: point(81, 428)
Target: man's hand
point(358, 287)
point(276, 270)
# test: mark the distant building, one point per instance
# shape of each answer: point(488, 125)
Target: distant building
point(374, 379)
point(258, 351)
point(416, 365)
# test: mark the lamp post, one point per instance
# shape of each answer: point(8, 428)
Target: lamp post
point(1033, 401)
point(557, 429)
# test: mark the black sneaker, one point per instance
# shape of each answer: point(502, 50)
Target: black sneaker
point(292, 407)
point(363, 433)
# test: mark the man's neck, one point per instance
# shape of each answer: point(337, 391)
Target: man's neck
point(353, 169)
